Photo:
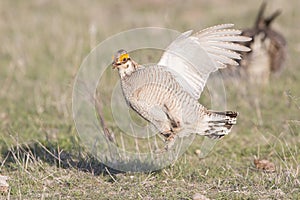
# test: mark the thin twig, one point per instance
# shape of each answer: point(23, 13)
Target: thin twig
point(98, 106)
point(110, 174)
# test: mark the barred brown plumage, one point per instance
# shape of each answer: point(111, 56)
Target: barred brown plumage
point(167, 94)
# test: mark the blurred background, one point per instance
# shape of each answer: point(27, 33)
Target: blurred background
point(42, 45)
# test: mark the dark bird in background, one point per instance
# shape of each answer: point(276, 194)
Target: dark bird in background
point(268, 49)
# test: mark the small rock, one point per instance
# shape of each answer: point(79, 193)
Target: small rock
point(198, 152)
point(198, 196)
point(3, 184)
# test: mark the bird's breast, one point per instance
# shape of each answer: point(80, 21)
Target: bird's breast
point(152, 82)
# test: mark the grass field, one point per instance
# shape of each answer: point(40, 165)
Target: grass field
point(43, 43)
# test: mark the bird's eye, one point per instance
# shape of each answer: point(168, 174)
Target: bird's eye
point(123, 58)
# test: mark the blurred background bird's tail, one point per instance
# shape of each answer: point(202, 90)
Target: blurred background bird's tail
point(263, 22)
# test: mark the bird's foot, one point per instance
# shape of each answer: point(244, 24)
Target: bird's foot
point(169, 139)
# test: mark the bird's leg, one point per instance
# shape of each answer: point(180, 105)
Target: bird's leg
point(169, 135)
point(169, 139)
point(175, 126)
point(174, 121)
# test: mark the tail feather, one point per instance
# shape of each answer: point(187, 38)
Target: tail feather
point(220, 123)
point(264, 22)
point(271, 18)
point(260, 15)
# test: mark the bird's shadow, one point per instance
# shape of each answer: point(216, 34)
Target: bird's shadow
point(51, 154)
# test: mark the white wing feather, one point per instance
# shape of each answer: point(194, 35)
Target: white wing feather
point(191, 58)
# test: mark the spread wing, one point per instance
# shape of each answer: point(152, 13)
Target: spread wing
point(192, 57)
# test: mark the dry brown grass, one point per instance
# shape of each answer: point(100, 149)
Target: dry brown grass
point(42, 46)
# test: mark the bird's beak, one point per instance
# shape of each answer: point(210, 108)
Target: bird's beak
point(115, 65)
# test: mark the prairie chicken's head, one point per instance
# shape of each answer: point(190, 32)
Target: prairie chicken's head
point(123, 62)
